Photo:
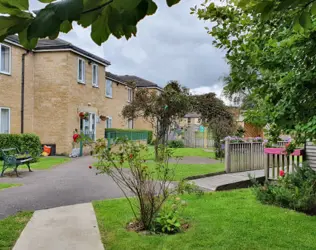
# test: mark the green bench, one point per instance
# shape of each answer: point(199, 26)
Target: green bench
point(12, 158)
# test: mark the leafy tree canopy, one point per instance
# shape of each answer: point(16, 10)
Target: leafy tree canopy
point(106, 17)
point(269, 60)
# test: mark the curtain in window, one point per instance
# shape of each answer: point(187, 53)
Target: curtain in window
point(5, 118)
point(5, 59)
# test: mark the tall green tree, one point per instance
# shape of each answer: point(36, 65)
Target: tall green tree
point(162, 110)
point(216, 116)
point(105, 17)
point(269, 57)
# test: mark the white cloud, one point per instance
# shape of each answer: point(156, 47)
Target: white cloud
point(170, 45)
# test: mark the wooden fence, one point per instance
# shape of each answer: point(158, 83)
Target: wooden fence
point(192, 138)
point(245, 156)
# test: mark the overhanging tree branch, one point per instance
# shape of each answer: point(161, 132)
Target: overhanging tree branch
point(97, 8)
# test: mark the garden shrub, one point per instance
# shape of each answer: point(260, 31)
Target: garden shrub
point(295, 191)
point(24, 142)
point(169, 220)
point(149, 137)
point(176, 144)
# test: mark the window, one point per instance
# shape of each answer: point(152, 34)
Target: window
point(81, 71)
point(4, 121)
point(130, 95)
point(95, 75)
point(108, 123)
point(108, 88)
point(5, 58)
point(130, 124)
point(199, 120)
point(189, 120)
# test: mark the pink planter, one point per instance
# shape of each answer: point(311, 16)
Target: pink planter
point(281, 151)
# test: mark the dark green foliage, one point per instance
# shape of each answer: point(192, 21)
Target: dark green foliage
point(270, 48)
point(168, 220)
point(240, 131)
point(162, 109)
point(216, 115)
point(296, 190)
point(176, 144)
point(24, 142)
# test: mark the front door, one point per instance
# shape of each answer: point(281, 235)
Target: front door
point(88, 126)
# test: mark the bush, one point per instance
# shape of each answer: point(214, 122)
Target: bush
point(176, 144)
point(149, 137)
point(24, 142)
point(168, 220)
point(295, 191)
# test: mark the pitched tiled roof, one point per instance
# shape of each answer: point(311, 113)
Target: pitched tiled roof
point(140, 82)
point(57, 44)
point(115, 78)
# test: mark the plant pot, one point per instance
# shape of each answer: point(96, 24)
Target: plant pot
point(102, 117)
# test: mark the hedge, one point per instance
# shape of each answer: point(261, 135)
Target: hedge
point(150, 132)
point(23, 142)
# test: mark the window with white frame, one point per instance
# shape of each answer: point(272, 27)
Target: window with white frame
point(130, 124)
point(4, 120)
point(5, 59)
point(108, 123)
point(130, 95)
point(108, 88)
point(81, 70)
point(95, 75)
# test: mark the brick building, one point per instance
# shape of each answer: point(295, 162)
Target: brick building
point(60, 80)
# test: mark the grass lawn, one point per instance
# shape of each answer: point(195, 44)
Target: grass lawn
point(47, 162)
point(221, 220)
point(182, 152)
point(11, 228)
point(186, 170)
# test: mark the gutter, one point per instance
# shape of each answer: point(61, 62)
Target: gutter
point(22, 90)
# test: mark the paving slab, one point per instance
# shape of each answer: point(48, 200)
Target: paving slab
point(64, 228)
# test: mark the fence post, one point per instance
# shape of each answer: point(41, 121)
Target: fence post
point(266, 166)
point(251, 156)
point(227, 156)
point(205, 138)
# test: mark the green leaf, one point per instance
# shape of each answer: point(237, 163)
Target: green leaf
point(100, 31)
point(10, 25)
point(115, 23)
point(172, 2)
point(9, 8)
point(125, 4)
point(49, 19)
point(305, 20)
point(66, 26)
point(313, 8)
point(152, 7)
point(45, 24)
point(20, 4)
point(129, 31)
point(28, 44)
point(285, 4)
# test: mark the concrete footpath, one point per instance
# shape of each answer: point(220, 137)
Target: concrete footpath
point(228, 181)
point(64, 228)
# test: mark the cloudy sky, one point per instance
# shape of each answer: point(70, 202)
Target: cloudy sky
point(170, 45)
